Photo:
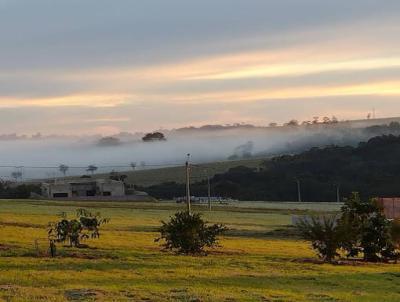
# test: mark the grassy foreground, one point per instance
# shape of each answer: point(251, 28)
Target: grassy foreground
point(260, 259)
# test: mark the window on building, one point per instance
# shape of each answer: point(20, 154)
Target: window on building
point(60, 195)
point(90, 193)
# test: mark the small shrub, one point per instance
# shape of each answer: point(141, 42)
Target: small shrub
point(188, 233)
point(85, 226)
point(362, 229)
point(324, 233)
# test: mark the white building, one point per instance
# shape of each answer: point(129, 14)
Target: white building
point(84, 188)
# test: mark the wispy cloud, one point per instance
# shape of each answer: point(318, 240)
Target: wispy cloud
point(296, 51)
point(302, 68)
point(87, 100)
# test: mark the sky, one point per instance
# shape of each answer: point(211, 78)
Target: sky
point(96, 66)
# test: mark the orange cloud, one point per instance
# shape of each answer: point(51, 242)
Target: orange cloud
point(301, 92)
point(90, 100)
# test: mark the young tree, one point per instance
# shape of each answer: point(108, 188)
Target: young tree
point(306, 123)
point(326, 120)
point(118, 176)
point(366, 230)
point(91, 169)
point(361, 229)
point(292, 123)
point(16, 175)
point(334, 120)
point(63, 169)
point(324, 233)
point(155, 136)
point(85, 226)
point(188, 233)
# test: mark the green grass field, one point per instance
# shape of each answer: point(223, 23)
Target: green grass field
point(260, 259)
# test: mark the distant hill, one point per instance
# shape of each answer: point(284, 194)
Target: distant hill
point(372, 168)
point(240, 144)
point(363, 123)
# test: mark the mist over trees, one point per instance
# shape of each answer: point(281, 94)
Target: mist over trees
point(208, 143)
point(372, 168)
point(109, 141)
point(155, 136)
point(9, 190)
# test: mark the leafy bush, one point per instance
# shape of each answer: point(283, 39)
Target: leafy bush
point(324, 233)
point(155, 136)
point(85, 226)
point(10, 190)
point(362, 229)
point(366, 230)
point(188, 233)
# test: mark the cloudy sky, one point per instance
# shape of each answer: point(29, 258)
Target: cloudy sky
point(95, 66)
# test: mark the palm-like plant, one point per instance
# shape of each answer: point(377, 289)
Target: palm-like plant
point(324, 233)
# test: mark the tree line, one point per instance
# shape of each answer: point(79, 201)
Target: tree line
point(372, 168)
point(10, 190)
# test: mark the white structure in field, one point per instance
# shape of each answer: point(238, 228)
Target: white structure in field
point(84, 188)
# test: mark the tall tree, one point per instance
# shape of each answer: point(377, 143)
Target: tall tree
point(16, 175)
point(63, 169)
point(91, 169)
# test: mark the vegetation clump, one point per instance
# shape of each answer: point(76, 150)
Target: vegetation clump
point(324, 233)
point(366, 230)
point(187, 233)
point(109, 141)
point(361, 229)
point(155, 136)
point(9, 190)
point(324, 174)
point(85, 226)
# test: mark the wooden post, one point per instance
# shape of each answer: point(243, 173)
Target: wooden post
point(188, 184)
point(209, 191)
point(298, 190)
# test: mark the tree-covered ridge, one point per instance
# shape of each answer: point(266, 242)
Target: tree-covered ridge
point(372, 168)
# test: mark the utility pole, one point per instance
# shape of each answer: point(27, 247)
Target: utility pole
point(338, 192)
point(298, 189)
point(208, 191)
point(188, 183)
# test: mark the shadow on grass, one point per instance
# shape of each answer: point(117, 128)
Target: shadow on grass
point(22, 225)
point(139, 228)
point(283, 232)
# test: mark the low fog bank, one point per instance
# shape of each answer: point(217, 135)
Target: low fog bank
point(35, 158)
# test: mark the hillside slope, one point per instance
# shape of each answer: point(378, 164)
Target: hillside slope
point(372, 168)
point(177, 174)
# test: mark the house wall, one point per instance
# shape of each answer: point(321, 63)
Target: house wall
point(112, 189)
point(59, 190)
point(391, 207)
point(84, 190)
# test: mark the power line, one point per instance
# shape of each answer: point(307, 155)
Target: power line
point(85, 167)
